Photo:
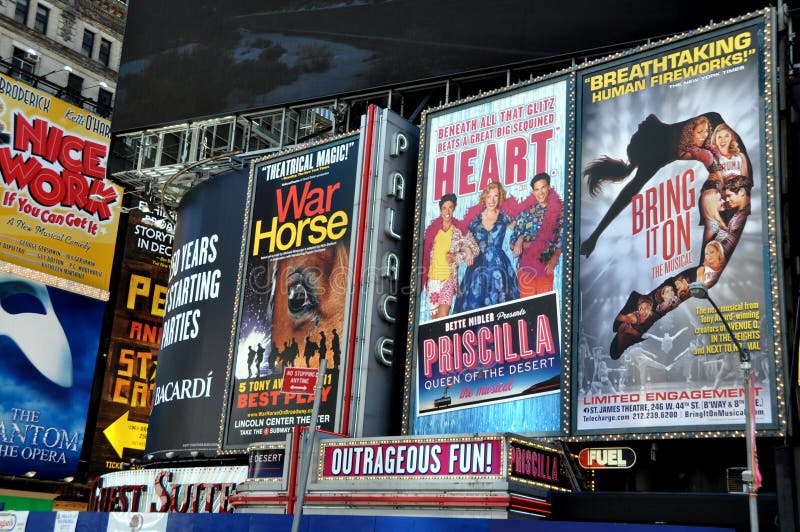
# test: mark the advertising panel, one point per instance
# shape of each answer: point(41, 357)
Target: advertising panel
point(58, 213)
point(540, 464)
point(676, 172)
point(446, 458)
point(49, 339)
point(13, 521)
point(267, 462)
point(491, 263)
point(199, 309)
point(132, 356)
point(330, 47)
point(295, 292)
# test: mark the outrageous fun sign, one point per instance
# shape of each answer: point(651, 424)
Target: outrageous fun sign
point(295, 290)
point(491, 261)
point(58, 213)
point(673, 190)
point(457, 458)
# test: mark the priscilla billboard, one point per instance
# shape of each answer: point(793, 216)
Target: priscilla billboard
point(491, 260)
point(676, 176)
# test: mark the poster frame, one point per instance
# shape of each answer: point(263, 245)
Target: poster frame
point(225, 418)
point(49, 239)
point(771, 236)
point(564, 302)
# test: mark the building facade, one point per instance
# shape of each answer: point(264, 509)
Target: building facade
point(69, 49)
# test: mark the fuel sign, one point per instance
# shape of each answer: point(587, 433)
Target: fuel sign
point(607, 458)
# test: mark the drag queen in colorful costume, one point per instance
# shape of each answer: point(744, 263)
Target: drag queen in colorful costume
point(491, 278)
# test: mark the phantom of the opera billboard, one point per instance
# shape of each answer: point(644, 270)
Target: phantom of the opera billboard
point(675, 179)
point(294, 294)
point(49, 339)
point(58, 214)
point(490, 261)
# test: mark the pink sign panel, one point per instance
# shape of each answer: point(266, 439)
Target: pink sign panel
point(439, 459)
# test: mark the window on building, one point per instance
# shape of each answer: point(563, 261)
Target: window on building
point(87, 47)
point(104, 54)
point(42, 17)
point(23, 67)
point(74, 89)
point(21, 11)
point(104, 99)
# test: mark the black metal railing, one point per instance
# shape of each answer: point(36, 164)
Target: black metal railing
point(59, 91)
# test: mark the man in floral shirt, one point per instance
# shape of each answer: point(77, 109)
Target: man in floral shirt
point(536, 238)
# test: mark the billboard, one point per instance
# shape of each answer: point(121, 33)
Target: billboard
point(58, 213)
point(490, 266)
point(446, 458)
point(325, 48)
point(132, 356)
point(675, 163)
point(199, 309)
point(294, 298)
point(49, 339)
point(381, 275)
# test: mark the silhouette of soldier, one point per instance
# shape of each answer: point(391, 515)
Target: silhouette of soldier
point(286, 354)
point(274, 355)
point(295, 350)
point(323, 345)
point(290, 353)
point(251, 355)
point(308, 351)
point(259, 359)
point(337, 351)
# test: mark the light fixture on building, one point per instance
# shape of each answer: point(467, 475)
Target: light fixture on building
point(100, 84)
point(30, 474)
point(66, 68)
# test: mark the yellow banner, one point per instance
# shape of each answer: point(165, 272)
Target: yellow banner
point(58, 213)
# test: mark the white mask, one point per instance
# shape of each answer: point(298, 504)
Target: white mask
point(40, 337)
